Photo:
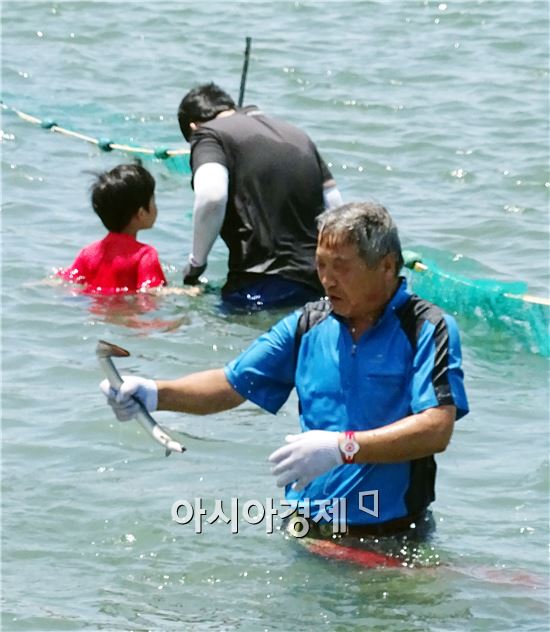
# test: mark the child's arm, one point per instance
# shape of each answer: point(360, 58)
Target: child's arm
point(77, 272)
point(149, 272)
point(53, 280)
point(151, 277)
point(164, 290)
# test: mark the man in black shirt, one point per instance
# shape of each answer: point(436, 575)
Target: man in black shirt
point(259, 183)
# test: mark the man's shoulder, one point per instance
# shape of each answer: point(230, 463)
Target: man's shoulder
point(250, 119)
point(415, 312)
point(419, 308)
point(312, 314)
point(207, 131)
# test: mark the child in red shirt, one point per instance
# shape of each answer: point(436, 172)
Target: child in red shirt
point(124, 199)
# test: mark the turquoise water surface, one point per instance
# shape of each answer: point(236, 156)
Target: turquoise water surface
point(437, 109)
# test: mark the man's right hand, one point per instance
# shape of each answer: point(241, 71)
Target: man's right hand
point(191, 274)
point(124, 401)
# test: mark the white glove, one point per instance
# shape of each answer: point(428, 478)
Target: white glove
point(307, 456)
point(123, 401)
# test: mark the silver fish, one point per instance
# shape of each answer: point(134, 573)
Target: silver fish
point(105, 352)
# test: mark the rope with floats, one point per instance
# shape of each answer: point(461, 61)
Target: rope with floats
point(107, 145)
point(104, 144)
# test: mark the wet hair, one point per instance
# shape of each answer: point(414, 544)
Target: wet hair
point(117, 195)
point(368, 226)
point(202, 103)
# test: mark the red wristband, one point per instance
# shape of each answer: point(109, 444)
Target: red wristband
point(349, 447)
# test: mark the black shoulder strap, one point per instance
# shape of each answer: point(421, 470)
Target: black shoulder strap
point(312, 314)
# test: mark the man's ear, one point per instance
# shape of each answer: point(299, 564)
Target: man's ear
point(389, 265)
point(193, 126)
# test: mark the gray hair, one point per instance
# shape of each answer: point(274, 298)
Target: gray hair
point(368, 225)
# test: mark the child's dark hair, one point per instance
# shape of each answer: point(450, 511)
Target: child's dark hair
point(117, 195)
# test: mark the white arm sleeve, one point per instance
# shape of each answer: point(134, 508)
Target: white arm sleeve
point(332, 197)
point(211, 184)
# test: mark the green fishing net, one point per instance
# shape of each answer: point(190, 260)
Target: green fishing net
point(178, 164)
point(175, 164)
point(498, 305)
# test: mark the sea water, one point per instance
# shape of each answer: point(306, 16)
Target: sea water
point(439, 110)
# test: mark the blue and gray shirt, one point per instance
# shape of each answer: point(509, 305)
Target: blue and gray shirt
point(407, 362)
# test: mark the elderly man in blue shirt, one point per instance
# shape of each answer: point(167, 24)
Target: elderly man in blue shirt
point(378, 375)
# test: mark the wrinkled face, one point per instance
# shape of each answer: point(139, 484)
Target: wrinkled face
point(356, 291)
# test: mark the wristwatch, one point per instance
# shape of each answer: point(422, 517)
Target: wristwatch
point(349, 446)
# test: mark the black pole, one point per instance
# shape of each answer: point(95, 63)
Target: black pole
point(245, 70)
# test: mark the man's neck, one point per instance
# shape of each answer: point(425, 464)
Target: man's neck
point(225, 113)
point(360, 324)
